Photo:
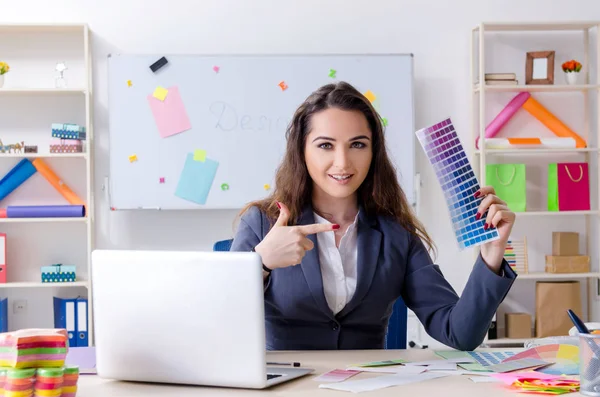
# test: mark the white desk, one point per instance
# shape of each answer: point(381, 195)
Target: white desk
point(321, 361)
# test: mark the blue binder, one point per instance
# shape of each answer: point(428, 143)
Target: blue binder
point(4, 315)
point(82, 322)
point(65, 316)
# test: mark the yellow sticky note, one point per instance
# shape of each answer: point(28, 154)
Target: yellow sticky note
point(200, 155)
point(132, 158)
point(370, 96)
point(129, 83)
point(160, 93)
point(267, 186)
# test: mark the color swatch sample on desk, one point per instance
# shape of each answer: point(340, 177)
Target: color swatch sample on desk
point(514, 365)
point(565, 358)
point(459, 184)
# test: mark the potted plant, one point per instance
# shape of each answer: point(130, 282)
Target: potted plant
point(4, 68)
point(571, 69)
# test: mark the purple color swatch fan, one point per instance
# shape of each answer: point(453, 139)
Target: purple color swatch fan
point(459, 184)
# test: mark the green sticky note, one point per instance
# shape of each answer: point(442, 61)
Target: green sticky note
point(332, 73)
point(200, 155)
point(385, 122)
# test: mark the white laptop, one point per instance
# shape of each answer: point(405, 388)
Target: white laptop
point(182, 317)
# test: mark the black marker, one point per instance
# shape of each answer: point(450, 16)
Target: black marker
point(158, 64)
point(294, 364)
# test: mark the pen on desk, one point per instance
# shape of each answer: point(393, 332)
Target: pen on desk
point(294, 364)
point(580, 325)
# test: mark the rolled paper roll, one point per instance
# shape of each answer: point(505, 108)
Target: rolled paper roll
point(505, 114)
point(552, 122)
point(45, 211)
point(55, 181)
point(15, 177)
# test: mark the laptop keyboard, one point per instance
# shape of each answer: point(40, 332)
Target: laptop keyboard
point(273, 376)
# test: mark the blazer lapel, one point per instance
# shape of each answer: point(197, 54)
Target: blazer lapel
point(369, 243)
point(311, 266)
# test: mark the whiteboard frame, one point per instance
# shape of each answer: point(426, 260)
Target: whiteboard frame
point(416, 188)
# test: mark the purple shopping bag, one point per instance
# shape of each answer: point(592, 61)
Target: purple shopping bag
point(573, 187)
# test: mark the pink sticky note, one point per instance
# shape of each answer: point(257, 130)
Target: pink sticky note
point(170, 115)
point(216, 69)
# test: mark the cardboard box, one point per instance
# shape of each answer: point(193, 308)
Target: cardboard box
point(565, 243)
point(552, 300)
point(567, 264)
point(517, 325)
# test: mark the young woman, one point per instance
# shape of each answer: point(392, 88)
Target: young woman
point(339, 242)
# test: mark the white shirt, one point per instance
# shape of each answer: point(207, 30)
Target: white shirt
point(338, 266)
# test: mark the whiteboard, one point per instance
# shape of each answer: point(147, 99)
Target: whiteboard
point(232, 115)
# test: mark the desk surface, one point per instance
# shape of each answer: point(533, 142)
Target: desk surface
point(450, 386)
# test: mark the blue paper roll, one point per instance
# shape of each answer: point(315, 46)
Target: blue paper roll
point(19, 174)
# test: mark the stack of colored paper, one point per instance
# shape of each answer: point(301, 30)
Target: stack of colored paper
point(19, 382)
point(546, 386)
point(33, 348)
point(49, 382)
point(538, 383)
point(69, 388)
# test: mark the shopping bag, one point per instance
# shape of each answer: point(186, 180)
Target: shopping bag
point(573, 187)
point(509, 182)
point(552, 187)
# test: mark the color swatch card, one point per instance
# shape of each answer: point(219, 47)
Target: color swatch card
point(459, 184)
point(515, 365)
point(336, 375)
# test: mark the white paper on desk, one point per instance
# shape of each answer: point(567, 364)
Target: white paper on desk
point(380, 382)
point(463, 360)
point(396, 369)
point(442, 367)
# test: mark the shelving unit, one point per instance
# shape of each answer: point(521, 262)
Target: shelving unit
point(588, 89)
point(30, 103)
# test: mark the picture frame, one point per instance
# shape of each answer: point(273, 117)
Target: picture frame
point(539, 67)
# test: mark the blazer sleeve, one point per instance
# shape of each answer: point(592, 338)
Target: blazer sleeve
point(248, 235)
point(249, 231)
point(460, 323)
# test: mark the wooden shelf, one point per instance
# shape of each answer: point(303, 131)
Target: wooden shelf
point(41, 28)
point(44, 155)
point(42, 91)
point(551, 276)
point(537, 88)
point(47, 220)
point(537, 151)
point(555, 213)
point(43, 285)
point(534, 26)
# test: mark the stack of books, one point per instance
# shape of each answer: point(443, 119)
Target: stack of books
point(501, 79)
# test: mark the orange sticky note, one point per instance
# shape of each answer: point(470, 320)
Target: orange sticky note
point(370, 96)
point(200, 155)
point(283, 85)
point(160, 93)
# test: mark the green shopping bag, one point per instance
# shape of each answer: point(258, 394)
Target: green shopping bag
point(509, 182)
point(553, 187)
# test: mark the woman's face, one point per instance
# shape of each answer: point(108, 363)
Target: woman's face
point(338, 151)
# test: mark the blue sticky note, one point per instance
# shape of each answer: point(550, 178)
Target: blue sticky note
point(196, 179)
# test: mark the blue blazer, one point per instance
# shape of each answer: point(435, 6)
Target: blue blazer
point(391, 263)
